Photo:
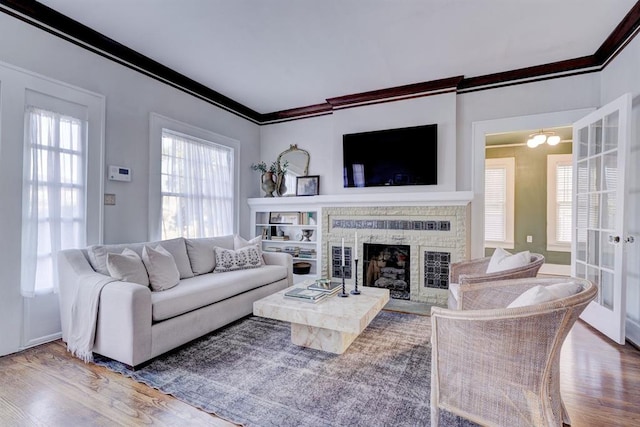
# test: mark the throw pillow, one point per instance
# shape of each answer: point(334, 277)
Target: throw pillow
point(240, 242)
point(244, 258)
point(161, 267)
point(201, 254)
point(127, 267)
point(540, 294)
point(565, 289)
point(532, 296)
point(502, 260)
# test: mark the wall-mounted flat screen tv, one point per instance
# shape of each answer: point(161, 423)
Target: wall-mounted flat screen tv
point(391, 157)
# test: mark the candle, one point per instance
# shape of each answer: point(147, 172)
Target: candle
point(342, 251)
point(355, 256)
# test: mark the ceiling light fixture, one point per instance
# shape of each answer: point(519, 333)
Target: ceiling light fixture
point(541, 137)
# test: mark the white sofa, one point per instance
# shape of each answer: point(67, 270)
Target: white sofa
point(136, 324)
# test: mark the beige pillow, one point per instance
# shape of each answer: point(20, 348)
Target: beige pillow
point(540, 294)
point(240, 242)
point(244, 258)
point(161, 267)
point(128, 267)
point(502, 260)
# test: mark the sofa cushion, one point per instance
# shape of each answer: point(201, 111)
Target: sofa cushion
point(502, 260)
point(161, 268)
point(128, 267)
point(201, 254)
point(229, 260)
point(176, 247)
point(540, 294)
point(200, 291)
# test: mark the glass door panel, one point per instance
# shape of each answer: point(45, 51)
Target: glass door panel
point(600, 139)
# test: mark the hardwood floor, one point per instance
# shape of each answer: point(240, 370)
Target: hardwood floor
point(45, 386)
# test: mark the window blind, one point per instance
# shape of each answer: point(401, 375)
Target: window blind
point(495, 204)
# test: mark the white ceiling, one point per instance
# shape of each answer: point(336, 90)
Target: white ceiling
point(272, 55)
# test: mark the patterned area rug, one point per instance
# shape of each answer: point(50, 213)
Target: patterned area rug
point(249, 373)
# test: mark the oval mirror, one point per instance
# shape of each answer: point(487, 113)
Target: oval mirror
point(295, 162)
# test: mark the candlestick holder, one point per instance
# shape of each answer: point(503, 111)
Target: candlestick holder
point(344, 292)
point(355, 290)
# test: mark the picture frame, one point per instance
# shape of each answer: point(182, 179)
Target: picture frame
point(308, 185)
point(284, 218)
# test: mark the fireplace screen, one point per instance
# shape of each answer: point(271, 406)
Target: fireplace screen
point(387, 266)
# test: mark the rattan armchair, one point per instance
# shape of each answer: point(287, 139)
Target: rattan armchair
point(500, 366)
point(463, 273)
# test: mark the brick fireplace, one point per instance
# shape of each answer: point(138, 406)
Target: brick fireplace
point(397, 245)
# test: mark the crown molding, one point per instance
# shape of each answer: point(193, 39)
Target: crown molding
point(55, 23)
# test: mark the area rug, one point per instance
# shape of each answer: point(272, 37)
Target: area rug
point(250, 373)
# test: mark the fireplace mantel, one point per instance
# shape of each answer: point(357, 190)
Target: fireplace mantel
point(448, 198)
point(435, 225)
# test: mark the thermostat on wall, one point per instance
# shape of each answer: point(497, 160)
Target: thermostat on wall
point(118, 173)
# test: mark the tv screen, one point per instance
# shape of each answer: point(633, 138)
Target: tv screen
point(391, 157)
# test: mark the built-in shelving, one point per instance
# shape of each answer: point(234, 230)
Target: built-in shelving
point(291, 229)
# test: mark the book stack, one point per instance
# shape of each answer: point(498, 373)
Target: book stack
point(307, 253)
point(326, 286)
point(292, 250)
point(280, 238)
point(307, 295)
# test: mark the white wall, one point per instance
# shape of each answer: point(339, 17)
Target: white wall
point(307, 134)
point(322, 137)
point(130, 98)
point(619, 77)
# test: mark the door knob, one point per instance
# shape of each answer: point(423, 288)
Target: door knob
point(629, 239)
point(614, 239)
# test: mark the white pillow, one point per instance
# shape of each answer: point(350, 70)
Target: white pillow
point(229, 260)
point(161, 267)
point(564, 289)
point(127, 267)
point(540, 294)
point(240, 242)
point(502, 260)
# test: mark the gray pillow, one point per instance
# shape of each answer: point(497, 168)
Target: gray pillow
point(201, 253)
point(162, 269)
point(128, 267)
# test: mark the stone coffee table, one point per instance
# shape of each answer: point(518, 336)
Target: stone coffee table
point(330, 325)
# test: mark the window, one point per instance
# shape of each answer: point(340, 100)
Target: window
point(499, 202)
point(559, 202)
point(54, 205)
point(196, 187)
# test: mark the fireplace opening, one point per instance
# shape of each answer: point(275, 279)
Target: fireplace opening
point(387, 266)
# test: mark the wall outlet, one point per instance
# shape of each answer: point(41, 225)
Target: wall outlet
point(529, 239)
point(109, 199)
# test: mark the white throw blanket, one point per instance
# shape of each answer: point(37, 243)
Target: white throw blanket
point(84, 315)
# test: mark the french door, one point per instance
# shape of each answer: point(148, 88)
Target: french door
point(601, 148)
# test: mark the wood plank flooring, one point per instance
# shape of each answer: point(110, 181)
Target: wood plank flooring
point(45, 386)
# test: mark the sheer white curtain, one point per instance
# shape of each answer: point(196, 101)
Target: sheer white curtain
point(53, 195)
point(196, 186)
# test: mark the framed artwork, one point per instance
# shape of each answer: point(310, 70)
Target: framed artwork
point(284, 218)
point(308, 185)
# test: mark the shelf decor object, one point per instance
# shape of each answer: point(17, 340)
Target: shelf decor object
point(355, 290)
point(344, 293)
point(307, 233)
